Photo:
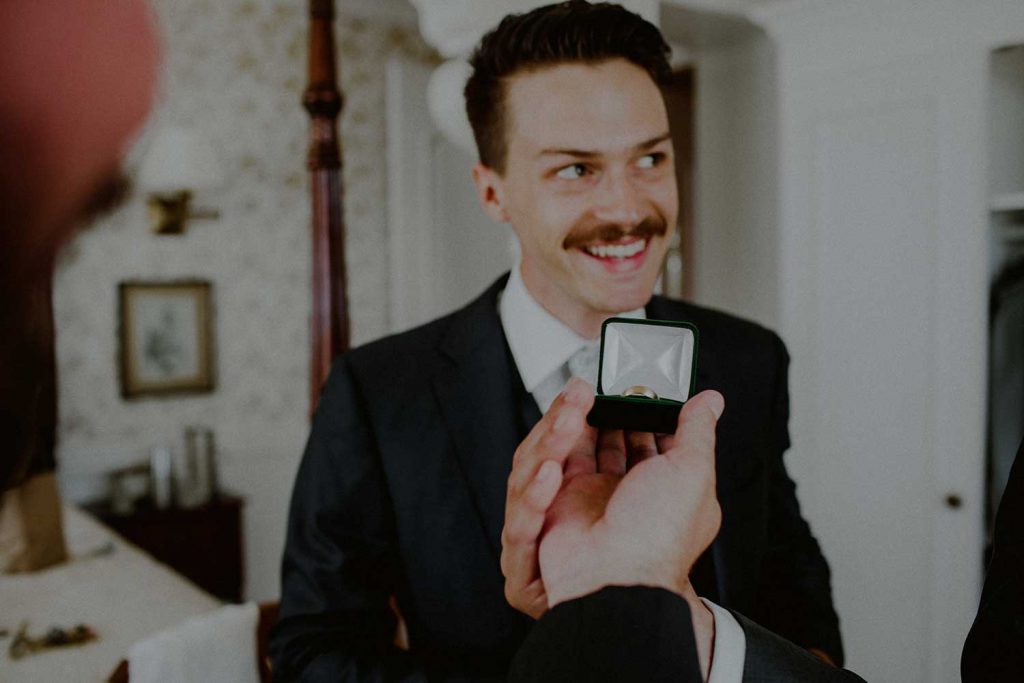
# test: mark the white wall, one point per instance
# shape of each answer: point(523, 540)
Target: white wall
point(235, 69)
point(444, 249)
point(735, 240)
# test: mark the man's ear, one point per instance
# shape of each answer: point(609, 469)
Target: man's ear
point(490, 190)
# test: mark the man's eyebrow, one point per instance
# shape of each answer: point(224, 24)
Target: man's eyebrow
point(565, 151)
point(588, 154)
point(657, 140)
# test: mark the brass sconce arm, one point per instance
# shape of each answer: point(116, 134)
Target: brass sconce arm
point(168, 213)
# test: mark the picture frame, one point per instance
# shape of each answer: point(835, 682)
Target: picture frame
point(166, 344)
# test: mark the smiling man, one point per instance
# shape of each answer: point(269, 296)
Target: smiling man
point(409, 491)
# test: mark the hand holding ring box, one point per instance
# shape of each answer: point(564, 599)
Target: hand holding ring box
point(647, 373)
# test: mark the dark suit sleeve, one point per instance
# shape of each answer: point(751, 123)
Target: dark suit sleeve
point(771, 659)
point(636, 633)
point(619, 634)
point(795, 593)
point(994, 650)
point(341, 563)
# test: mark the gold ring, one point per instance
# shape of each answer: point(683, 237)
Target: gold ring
point(640, 391)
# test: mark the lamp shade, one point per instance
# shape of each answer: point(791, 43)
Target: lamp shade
point(178, 159)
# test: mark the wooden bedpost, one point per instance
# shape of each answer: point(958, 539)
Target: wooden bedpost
point(329, 333)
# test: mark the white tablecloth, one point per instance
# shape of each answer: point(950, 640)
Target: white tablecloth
point(124, 596)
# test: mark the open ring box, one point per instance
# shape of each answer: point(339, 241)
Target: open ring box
point(639, 357)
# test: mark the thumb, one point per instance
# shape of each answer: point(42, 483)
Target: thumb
point(708, 400)
point(698, 420)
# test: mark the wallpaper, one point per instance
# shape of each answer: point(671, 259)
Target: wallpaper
point(235, 70)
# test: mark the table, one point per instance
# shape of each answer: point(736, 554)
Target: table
point(203, 544)
point(107, 583)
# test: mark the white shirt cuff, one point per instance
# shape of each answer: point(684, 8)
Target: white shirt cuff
point(730, 646)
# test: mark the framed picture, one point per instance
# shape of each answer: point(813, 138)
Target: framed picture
point(166, 344)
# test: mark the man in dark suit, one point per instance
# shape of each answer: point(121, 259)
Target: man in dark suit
point(402, 489)
point(994, 651)
point(622, 607)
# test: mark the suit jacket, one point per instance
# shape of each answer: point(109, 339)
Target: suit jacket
point(401, 492)
point(636, 633)
point(994, 651)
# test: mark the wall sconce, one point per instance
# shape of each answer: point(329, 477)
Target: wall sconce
point(178, 163)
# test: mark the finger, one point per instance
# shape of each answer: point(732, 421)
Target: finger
point(639, 446)
point(554, 436)
point(524, 515)
point(582, 458)
point(695, 433)
point(576, 395)
point(524, 521)
point(611, 452)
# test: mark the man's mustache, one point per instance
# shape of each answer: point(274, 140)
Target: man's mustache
point(611, 232)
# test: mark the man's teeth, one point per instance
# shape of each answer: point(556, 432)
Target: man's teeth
point(616, 250)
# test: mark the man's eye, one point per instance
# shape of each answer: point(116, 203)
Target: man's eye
point(651, 160)
point(572, 172)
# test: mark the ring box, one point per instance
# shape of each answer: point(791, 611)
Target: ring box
point(658, 356)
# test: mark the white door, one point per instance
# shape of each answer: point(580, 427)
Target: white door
point(884, 298)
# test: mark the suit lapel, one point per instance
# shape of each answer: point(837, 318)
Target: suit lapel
point(481, 397)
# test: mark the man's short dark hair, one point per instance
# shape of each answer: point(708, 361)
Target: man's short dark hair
point(574, 31)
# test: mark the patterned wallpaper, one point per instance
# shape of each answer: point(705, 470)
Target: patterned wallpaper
point(235, 70)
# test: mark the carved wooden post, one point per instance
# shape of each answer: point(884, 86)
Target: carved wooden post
point(330, 331)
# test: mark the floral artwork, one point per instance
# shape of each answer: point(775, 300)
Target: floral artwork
point(165, 338)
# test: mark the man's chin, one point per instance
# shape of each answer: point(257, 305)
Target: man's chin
point(619, 301)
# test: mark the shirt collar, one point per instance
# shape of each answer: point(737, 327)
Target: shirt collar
point(540, 342)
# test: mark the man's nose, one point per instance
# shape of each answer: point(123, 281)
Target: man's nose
point(619, 200)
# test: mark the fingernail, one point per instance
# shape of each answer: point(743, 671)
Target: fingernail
point(576, 390)
point(543, 473)
point(717, 404)
point(563, 421)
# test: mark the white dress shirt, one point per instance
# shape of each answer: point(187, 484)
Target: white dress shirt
point(541, 346)
point(730, 647)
